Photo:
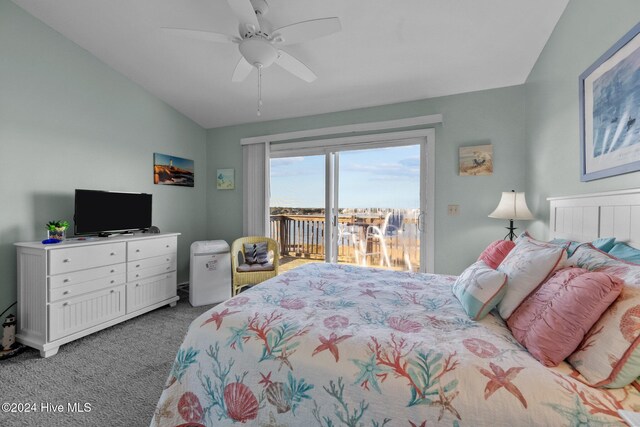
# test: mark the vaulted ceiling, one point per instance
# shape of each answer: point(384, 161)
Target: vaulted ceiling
point(387, 52)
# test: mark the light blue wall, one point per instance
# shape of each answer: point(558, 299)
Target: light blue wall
point(492, 116)
point(69, 121)
point(586, 30)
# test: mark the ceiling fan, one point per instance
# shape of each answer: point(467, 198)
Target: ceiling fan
point(259, 44)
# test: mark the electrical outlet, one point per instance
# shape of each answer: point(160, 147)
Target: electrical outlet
point(453, 210)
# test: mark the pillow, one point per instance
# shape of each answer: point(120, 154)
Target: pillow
point(495, 252)
point(609, 355)
point(479, 288)
point(604, 244)
point(625, 252)
point(256, 253)
point(552, 321)
point(569, 244)
point(526, 267)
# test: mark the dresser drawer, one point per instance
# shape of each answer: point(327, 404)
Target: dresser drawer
point(76, 314)
point(76, 277)
point(143, 293)
point(151, 271)
point(142, 249)
point(81, 258)
point(142, 264)
point(56, 294)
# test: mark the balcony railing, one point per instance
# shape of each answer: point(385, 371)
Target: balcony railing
point(362, 238)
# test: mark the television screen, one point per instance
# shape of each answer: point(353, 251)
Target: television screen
point(110, 211)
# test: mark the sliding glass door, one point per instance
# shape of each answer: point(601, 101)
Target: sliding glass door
point(379, 207)
point(360, 204)
point(297, 208)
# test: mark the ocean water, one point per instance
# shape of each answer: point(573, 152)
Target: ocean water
point(616, 108)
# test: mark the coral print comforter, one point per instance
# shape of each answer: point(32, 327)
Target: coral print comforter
point(331, 345)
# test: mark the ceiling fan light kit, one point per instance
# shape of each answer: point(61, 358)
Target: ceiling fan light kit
point(258, 52)
point(258, 48)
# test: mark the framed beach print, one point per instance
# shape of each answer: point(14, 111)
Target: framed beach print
point(172, 170)
point(475, 160)
point(610, 111)
point(225, 179)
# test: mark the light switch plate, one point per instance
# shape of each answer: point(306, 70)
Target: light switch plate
point(453, 210)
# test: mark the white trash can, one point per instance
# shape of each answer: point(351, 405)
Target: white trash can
point(209, 272)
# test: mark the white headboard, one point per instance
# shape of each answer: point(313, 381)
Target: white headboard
point(586, 217)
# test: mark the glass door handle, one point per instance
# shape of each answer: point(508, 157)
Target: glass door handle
point(421, 221)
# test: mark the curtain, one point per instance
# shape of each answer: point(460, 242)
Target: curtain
point(255, 185)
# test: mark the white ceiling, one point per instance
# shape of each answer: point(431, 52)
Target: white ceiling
point(388, 51)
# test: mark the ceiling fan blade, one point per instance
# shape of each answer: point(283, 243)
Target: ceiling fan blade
point(243, 69)
point(295, 67)
point(306, 30)
point(243, 9)
point(202, 35)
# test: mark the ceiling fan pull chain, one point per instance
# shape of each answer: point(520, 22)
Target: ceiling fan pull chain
point(259, 90)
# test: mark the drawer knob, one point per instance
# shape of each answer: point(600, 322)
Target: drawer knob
point(113, 281)
point(113, 253)
point(113, 270)
point(137, 285)
point(65, 304)
point(137, 250)
point(66, 292)
point(66, 260)
point(168, 259)
point(168, 246)
point(137, 265)
point(137, 275)
point(168, 268)
point(113, 291)
point(66, 280)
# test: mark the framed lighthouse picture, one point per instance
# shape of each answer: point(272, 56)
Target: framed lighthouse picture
point(173, 170)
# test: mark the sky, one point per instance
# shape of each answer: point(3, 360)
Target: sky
point(381, 178)
point(179, 162)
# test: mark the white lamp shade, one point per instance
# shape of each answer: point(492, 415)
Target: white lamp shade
point(512, 206)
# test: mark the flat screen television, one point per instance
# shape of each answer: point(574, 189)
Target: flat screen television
point(107, 212)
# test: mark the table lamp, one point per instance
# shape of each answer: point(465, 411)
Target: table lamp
point(512, 206)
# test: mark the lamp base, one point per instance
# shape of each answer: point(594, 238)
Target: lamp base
point(510, 235)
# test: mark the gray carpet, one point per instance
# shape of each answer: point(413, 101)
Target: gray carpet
point(119, 371)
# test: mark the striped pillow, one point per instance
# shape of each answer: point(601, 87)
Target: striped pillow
point(256, 253)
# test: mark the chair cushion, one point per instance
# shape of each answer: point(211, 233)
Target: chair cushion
point(256, 253)
point(245, 268)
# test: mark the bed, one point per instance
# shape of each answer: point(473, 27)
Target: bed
point(333, 345)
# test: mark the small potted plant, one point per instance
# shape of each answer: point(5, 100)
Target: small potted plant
point(56, 229)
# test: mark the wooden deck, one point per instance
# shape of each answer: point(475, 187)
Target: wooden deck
point(301, 240)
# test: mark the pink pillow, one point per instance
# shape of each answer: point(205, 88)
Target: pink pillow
point(552, 321)
point(496, 252)
point(609, 355)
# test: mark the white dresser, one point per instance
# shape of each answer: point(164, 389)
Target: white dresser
point(72, 289)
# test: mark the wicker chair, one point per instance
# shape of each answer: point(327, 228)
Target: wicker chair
point(247, 278)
